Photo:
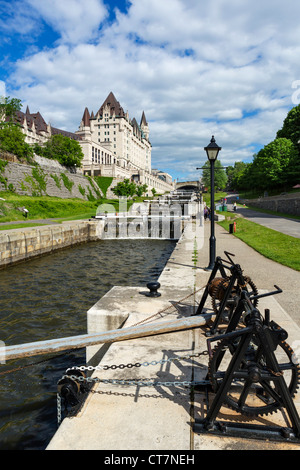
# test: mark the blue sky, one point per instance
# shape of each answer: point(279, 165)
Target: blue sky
point(228, 68)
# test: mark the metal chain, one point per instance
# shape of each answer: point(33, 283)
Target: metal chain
point(59, 413)
point(138, 364)
point(68, 352)
point(139, 383)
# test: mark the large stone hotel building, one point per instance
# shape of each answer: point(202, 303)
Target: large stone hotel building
point(113, 144)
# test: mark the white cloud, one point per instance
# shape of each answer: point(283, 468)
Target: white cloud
point(74, 20)
point(2, 88)
point(14, 17)
point(196, 68)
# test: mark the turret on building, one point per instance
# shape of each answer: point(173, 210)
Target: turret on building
point(113, 144)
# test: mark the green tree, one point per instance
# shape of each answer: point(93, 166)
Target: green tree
point(12, 140)
point(243, 180)
point(59, 147)
point(271, 166)
point(293, 169)
point(220, 178)
point(234, 173)
point(141, 189)
point(125, 188)
point(291, 126)
point(8, 110)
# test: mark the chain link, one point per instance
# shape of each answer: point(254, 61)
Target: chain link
point(59, 413)
point(130, 382)
point(137, 364)
point(139, 383)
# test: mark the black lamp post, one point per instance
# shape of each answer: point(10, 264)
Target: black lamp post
point(212, 151)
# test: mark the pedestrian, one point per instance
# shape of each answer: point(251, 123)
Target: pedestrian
point(205, 212)
point(234, 207)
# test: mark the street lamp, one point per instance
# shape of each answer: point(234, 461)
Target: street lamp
point(212, 151)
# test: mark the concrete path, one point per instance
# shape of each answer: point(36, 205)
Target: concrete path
point(31, 221)
point(280, 224)
point(288, 226)
point(264, 272)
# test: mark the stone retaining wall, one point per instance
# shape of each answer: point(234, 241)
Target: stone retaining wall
point(25, 243)
point(285, 205)
point(23, 181)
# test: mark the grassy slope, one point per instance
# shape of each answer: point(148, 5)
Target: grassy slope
point(46, 207)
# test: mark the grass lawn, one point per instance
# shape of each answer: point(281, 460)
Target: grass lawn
point(274, 245)
point(46, 207)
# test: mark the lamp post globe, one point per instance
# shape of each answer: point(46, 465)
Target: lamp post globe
point(212, 152)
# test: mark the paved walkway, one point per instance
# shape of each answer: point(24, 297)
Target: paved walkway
point(280, 224)
point(31, 221)
point(288, 226)
point(264, 272)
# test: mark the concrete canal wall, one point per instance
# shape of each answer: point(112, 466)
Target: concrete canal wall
point(25, 243)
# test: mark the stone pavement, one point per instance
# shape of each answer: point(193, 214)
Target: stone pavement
point(139, 416)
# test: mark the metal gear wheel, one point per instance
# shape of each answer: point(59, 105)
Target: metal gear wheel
point(254, 391)
point(218, 288)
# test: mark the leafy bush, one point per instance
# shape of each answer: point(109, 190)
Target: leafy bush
point(59, 147)
point(13, 140)
point(129, 189)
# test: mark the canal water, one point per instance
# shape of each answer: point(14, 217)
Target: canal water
point(47, 298)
